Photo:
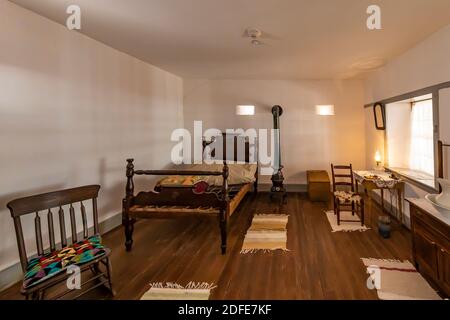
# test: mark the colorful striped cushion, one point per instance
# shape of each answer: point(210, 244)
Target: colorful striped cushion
point(52, 263)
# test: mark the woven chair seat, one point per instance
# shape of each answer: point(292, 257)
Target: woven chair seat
point(347, 197)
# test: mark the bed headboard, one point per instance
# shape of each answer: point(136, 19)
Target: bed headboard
point(235, 142)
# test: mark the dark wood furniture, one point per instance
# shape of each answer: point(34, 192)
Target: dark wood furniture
point(318, 185)
point(173, 202)
point(56, 201)
point(347, 199)
point(431, 243)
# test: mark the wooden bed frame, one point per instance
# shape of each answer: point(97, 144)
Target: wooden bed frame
point(173, 202)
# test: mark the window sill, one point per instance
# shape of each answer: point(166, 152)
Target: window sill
point(421, 180)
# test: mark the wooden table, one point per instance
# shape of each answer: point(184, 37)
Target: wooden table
point(383, 182)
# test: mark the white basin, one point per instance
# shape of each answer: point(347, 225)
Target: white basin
point(443, 199)
point(432, 199)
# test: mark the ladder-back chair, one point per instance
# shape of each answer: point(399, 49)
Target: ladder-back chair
point(348, 199)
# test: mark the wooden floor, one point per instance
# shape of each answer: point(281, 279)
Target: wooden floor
point(319, 265)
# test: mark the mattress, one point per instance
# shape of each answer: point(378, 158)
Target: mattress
point(238, 174)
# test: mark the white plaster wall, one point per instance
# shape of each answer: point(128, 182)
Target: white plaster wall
point(308, 141)
point(71, 111)
point(424, 65)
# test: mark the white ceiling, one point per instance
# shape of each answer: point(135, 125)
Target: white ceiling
point(320, 39)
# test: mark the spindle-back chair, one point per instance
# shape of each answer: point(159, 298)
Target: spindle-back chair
point(348, 199)
point(49, 204)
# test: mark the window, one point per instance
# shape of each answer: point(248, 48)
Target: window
point(410, 139)
point(421, 154)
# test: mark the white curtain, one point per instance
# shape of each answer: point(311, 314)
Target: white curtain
point(421, 157)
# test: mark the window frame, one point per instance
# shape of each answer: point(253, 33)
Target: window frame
point(434, 91)
point(435, 99)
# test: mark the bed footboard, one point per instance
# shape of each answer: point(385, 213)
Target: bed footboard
point(168, 204)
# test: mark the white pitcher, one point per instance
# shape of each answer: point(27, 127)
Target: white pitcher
point(444, 197)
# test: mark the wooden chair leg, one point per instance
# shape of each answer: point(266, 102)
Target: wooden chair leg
point(109, 272)
point(353, 208)
point(361, 208)
point(95, 269)
point(338, 213)
point(37, 295)
point(334, 205)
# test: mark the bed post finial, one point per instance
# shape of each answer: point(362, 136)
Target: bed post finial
point(129, 191)
point(225, 173)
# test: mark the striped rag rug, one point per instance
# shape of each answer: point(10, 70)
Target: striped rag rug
point(397, 280)
point(174, 291)
point(266, 233)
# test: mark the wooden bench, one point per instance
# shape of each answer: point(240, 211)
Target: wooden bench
point(318, 185)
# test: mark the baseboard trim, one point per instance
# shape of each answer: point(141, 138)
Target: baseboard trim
point(13, 274)
point(10, 276)
point(110, 223)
